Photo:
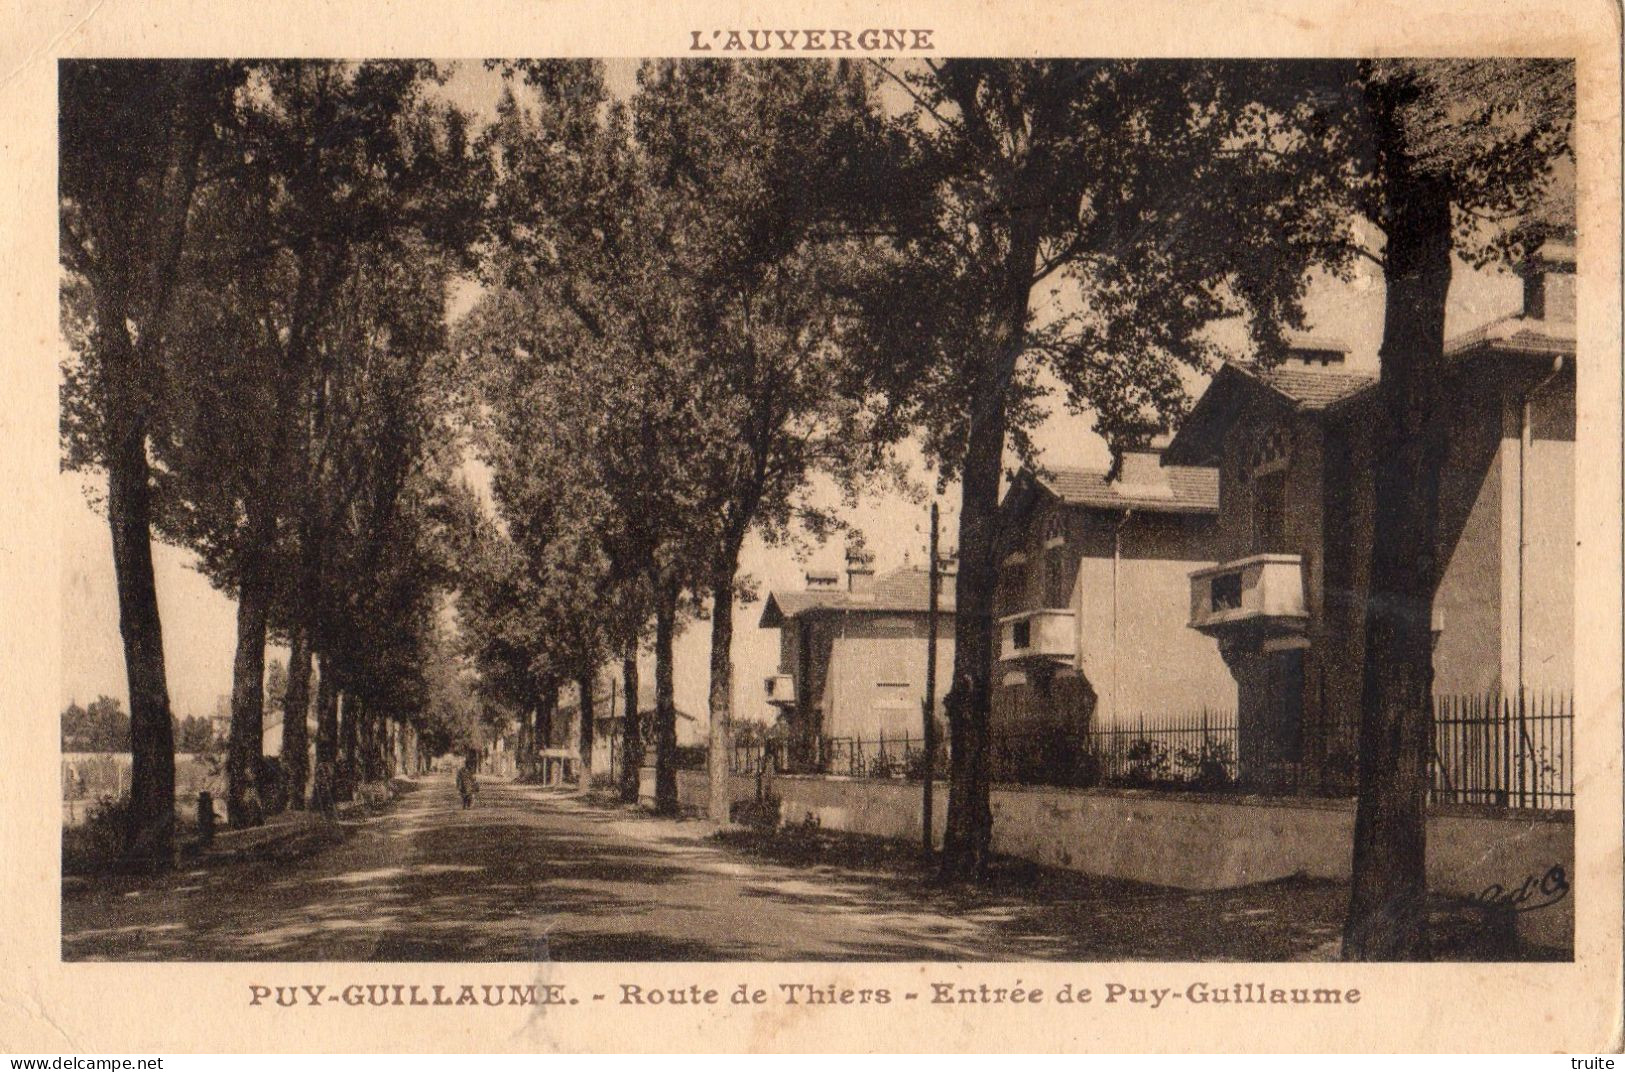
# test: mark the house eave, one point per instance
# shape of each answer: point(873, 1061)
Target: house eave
point(1197, 442)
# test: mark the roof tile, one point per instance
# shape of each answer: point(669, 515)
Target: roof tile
point(1194, 490)
point(905, 589)
point(1310, 388)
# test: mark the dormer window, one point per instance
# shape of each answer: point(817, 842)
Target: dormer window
point(1054, 532)
point(1273, 450)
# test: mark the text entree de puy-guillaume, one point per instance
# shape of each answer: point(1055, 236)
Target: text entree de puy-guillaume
point(1197, 993)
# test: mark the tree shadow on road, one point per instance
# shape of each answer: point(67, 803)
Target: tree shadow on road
point(544, 880)
point(1027, 911)
point(492, 909)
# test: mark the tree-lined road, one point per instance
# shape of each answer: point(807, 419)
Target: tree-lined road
point(532, 874)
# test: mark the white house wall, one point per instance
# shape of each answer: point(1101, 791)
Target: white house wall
point(876, 684)
point(1133, 642)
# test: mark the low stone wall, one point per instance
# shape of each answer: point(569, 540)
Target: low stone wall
point(88, 775)
point(879, 807)
point(1199, 841)
point(693, 790)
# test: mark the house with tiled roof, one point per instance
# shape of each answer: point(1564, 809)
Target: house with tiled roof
point(1294, 448)
point(1093, 584)
point(852, 663)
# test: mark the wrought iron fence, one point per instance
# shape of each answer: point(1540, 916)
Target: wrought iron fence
point(901, 756)
point(1488, 749)
point(1185, 750)
point(1513, 751)
point(754, 757)
point(881, 757)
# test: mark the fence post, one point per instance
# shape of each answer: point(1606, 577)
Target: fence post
point(1503, 711)
point(1523, 754)
point(205, 816)
point(1567, 731)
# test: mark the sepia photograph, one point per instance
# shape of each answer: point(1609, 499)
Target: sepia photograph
point(835, 508)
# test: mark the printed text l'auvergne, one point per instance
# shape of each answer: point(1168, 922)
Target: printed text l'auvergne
point(869, 39)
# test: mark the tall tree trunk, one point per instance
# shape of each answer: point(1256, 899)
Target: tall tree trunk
point(323, 789)
point(355, 724)
point(547, 704)
point(722, 674)
point(1387, 917)
point(295, 711)
point(244, 795)
point(295, 738)
point(631, 729)
point(665, 702)
point(149, 268)
point(279, 470)
point(149, 836)
point(968, 837)
point(377, 731)
point(367, 743)
point(350, 712)
point(584, 710)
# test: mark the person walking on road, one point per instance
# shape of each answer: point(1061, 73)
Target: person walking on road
point(467, 785)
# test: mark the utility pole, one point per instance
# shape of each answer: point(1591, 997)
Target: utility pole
point(930, 702)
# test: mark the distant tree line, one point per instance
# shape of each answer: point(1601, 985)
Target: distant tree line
point(104, 726)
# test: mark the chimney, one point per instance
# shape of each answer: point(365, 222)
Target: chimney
point(1140, 472)
point(1315, 352)
point(860, 567)
point(1548, 281)
point(822, 580)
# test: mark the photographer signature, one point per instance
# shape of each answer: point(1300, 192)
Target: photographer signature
point(1532, 893)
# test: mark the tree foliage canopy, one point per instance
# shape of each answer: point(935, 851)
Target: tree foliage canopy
point(1148, 200)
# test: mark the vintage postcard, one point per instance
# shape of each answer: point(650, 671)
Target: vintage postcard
point(569, 527)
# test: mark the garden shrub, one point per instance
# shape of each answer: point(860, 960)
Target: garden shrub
point(96, 845)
